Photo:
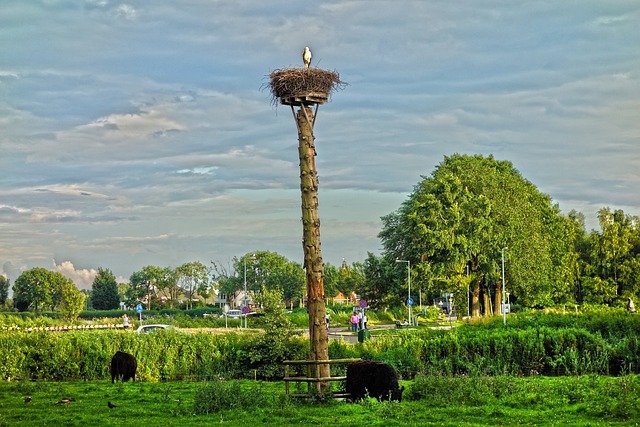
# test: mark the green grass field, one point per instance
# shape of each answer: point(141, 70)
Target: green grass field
point(503, 401)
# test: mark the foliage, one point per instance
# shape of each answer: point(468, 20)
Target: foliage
point(38, 288)
point(384, 285)
point(530, 345)
point(72, 302)
point(193, 279)
point(277, 343)
point(151, 284)
point(104, 293)
point(346, 279)
point(611, 259)
point(218, 396)
point(264, 269)
point(463, 215)
point(4, 290)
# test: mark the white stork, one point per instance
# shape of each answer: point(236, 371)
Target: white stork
point(306, 57)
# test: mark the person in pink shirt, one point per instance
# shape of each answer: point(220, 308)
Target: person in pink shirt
point(354, 322)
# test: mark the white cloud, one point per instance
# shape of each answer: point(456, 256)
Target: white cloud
point(82, 278)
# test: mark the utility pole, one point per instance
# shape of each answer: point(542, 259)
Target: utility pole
point(504, 311)
point(305, 89)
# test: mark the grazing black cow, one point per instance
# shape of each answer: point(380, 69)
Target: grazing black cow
point(375, 379)
point(123, 366)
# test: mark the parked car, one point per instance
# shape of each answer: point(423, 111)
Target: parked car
point(233, 314)
point(148, 328)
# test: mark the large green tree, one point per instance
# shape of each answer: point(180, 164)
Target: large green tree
point(612, 271)
point(105, 290)
point(193, 278)
point(263, 269)
point(345, 279)
point(4, 290)
point(32, 289)
point(153, 285)
point(72, 301)
point(462, 217)
point(384, 285)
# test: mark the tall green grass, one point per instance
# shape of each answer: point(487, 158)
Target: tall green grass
point(604, 344)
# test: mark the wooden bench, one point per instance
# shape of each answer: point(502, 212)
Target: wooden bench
point(313, 367)
point(400, 325)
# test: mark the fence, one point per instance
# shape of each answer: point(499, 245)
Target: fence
point(313, 366)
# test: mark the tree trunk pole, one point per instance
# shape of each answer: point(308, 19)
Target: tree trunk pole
point(475, 299)
point(313, 264)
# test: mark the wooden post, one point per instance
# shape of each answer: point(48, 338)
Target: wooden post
point(318, 336)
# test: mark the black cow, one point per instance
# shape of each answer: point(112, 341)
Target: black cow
point(123, 366)
point(374, 379)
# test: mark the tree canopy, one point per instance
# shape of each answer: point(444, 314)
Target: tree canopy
point(38, 288)
point(4, 290)
point(462, 216)
point(263, 269)
point(105, 290)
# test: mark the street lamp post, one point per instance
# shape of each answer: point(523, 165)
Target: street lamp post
point(409, 302)
point(468, 297)
point(504, 311)
point(252, 257)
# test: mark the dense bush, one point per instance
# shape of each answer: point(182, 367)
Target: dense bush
point(546, 344)
point(609, 346)
point(162, 355)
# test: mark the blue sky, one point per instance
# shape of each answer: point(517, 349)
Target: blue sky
point(136, 133)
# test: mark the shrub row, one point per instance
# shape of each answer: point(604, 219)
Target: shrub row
point(163, 355)
point(600, 346)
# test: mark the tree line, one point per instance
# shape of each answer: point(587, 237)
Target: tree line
point(452, 230)
point(458, 222)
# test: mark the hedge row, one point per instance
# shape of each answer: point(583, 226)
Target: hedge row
point(164, 355)
point(606, 346)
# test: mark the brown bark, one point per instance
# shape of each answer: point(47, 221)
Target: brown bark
point(487, 304)
point(313, 264)
point(475, 299)
point(497, 300)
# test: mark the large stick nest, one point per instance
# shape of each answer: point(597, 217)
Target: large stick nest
point(296, 82)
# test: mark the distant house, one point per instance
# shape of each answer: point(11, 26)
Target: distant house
point(342, 299)
point(238, 299)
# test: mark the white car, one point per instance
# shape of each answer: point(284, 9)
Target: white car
point(234, 314)
point(148, 328)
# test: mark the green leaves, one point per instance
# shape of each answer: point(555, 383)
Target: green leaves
point(105, 291)
point(463, 215)
point(38, 288)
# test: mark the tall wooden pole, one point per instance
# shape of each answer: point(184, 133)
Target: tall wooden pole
point(313, 264)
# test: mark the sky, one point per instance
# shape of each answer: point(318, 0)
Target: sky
point(138, 132)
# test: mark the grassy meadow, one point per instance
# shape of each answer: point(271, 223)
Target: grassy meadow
point(429, 401)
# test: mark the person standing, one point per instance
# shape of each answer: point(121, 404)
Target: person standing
point(354, 322)
point(125, 320)
point(360, 322)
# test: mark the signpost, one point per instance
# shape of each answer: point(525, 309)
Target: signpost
point(363, 305)
point(139, 310)
point(245, 311)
